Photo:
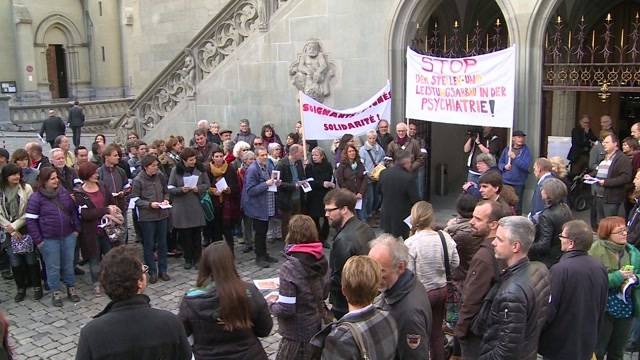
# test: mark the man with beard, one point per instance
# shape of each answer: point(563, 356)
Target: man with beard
point(351, 239)
point(482, 274)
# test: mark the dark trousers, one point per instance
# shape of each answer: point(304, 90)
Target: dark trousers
point(323, 230)
point(136, 225)
point(51, 143)
point(154, 237)
point(470, 346)
point(612, 337)
point(191, 242)
point(104, 246)
point(26, 270)
point(223, 229)
point(260, 240)
point(77, 131)
point(437, 299)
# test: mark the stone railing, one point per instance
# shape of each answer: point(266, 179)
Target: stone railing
point(210, 47)
point(98, 114)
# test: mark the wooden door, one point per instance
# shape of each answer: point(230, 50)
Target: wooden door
point(52, 72)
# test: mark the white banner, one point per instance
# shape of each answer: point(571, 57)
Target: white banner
point(476, 90)
point(324, 123)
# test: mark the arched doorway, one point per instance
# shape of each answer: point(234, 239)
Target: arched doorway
point(444, 29)
point(591, 66)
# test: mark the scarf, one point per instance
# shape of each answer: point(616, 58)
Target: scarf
point(617, 255)
point(49, 194)
point(11, 201)
point(229, 158)
point(368, 146)
point(402, 141)
point(218, 172)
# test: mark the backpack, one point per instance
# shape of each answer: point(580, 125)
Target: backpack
point(207, 206)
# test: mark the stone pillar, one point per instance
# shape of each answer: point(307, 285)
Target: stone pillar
point(563, 113)
point(25, 55)
point(5, 118)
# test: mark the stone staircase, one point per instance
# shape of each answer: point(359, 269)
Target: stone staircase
point(177, 84)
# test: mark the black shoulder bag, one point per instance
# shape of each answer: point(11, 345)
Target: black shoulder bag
point(453, 295)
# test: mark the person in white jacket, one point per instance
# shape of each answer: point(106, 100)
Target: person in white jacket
point(427, 249)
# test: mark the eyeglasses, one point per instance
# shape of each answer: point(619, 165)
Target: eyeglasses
point(257, 143)
point(563, 237)
point(145, 269)
point(326, 210)
point(623, 231)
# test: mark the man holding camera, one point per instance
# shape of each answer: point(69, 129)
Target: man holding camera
point(483, 141)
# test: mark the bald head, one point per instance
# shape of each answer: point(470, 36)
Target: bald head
point(606, 123)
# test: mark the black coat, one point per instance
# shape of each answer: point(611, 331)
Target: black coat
point(576, 308)
point(353, 239)
point(399, 193)
point(518, 313)
point(199, 314)
point(546, 246)
point(288, 186)
point(52, 127)
point(133, 330)
point(76, 116)
point(580, 143)
point(408, 304)
point(315, 198)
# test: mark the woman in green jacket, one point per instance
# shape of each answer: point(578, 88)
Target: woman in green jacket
point(622, 262)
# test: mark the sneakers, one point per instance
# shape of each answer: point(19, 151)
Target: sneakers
point(37, 293)
point(21, 295)
point(97, 291)
point(56, 299)
point(260, 262)
point(72, 294)
point(164, 277)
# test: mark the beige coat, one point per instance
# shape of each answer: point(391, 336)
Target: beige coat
point(23, 194)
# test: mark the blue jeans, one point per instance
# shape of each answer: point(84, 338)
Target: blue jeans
point(154, 235)
point(58, 255)
point(371, 199)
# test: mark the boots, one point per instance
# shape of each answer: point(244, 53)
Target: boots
point(35, 280)
point(56, 299)
point(37, 293)
point(22, 293)
point(72, 294)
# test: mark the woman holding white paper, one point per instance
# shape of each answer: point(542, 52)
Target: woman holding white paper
point(226, 198)
point(350, 175)
point(186, 186)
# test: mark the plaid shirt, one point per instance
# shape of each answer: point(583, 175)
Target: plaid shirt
point(378, 330)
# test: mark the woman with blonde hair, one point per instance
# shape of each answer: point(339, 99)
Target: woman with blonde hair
point(225, 314)
point(427, 249)
point(303, 286)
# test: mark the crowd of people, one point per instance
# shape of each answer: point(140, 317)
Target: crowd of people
point(501, 284)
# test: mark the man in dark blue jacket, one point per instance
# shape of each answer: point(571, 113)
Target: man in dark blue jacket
point(578, 298)
point(514, 164)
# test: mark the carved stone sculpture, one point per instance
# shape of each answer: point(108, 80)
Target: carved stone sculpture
point(311, 72)
point(188, 75)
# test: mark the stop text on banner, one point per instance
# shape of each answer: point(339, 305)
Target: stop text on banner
point(476, 90)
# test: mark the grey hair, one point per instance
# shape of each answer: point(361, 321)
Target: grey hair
point(228, 145)
point(248, 155)
point(203, 122)
point(55, 150)
point(555, 190)
point(487, 159)
point(273, 146)
point(372, 132)
point(295, 148)
point(397, 249)
point(245, 121)
point(520, 229)
point(238, 147)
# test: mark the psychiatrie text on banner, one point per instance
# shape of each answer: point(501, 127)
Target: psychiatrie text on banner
point(324, 123)
point(477, 90)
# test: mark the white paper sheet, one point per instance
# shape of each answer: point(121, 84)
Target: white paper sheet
point(190, 181)
point(221, 185)
point(132, 202)
point(165, 206)
point(267, 284)
point(305, 186)
point(408, 221)
point(359, 204)
point(273, 188)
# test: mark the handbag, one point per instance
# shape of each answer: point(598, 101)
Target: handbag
point(113, 231)
point(207, 206)
point(377, 169)
point(618, 308)
point(453, 295)
point(22, 245)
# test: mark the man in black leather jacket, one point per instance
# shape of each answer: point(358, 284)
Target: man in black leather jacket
point(519, 307)
point(352, 238)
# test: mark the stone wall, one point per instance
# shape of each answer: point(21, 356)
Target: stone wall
point(154, 32)
point(255, 83)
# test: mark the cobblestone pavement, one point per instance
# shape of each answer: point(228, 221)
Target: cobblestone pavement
point(41, 331)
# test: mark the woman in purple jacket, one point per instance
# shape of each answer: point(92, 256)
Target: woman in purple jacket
point(52, 221)
point(299, 305)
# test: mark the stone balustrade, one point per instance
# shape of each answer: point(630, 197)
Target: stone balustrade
point(97, 113)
